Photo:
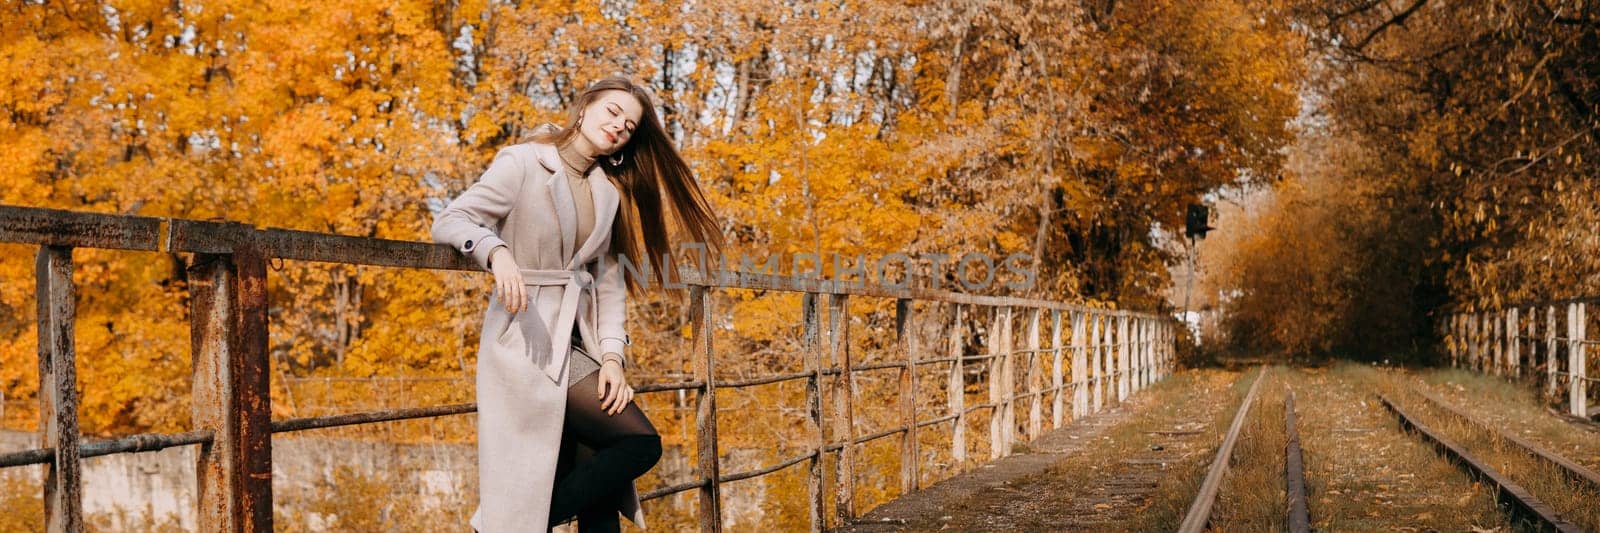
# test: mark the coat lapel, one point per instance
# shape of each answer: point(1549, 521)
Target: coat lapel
point(606, 199)
point(605, 210)
point(561, 196)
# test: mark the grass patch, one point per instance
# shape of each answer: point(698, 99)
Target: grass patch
point(1515, 408)
point(1363, 473)
point(1573, 500)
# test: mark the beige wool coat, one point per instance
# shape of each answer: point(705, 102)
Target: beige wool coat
point(523, 202)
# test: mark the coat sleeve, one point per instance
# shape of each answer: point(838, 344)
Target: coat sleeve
point(469, 223)
point(612, 306)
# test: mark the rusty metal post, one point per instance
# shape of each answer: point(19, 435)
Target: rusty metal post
point(228, 331)
point(844, 480)
point(706, 409)
point(1080, 366)
point(58, 388)
point(906, 334)
point(1035, 401)
point(810, 335)
point(1056, 379)
point(955, 392)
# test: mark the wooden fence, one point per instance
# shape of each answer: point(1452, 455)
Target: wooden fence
point(1111, 354)
point(1546, 343)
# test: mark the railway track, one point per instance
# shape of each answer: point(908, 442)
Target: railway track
point(1523, 503)
point(1297, 519)
point(1199, 514)
point(1345, 458)
point(1525, 506)
point(1570, 468)
point(1498, 450)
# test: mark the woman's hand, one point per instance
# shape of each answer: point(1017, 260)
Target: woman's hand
point(508, 280)
point(613, 389)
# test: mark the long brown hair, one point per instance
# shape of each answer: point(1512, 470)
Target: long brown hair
point(649, 164)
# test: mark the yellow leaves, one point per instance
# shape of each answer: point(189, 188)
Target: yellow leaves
point(1009, 242)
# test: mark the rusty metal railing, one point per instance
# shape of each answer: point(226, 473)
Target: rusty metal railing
point(1112, 355)
point(1527, 341)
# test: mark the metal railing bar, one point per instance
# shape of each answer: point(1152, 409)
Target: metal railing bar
point(32, 225)
point(671, 489)
point(663, 387)
point(144, 442)
point(350, 419)
point(750, 382)
point(767, 470)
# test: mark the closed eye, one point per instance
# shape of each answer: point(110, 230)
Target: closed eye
point(615, 111)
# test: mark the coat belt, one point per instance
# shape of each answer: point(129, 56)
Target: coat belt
point(574, 283)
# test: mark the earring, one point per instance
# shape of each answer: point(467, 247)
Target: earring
point(616, 160)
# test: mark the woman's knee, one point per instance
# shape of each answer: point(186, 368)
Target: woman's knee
point(646, 450)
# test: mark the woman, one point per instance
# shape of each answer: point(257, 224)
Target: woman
point(551, 219)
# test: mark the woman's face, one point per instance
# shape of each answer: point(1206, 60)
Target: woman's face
point(609, 121)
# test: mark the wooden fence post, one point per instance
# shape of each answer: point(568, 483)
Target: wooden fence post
point(1008, 373)
point(996, 397)
point(1056, 380)
point(1457, 346)
point(1149, 351)
point(1533, 343)
point(1097, 373)
point(906, 333)
point(1513, 343)
point(1035, 400)
point(1577, 384)
point(1550, 364)
point(1169, 349)
point(706, 409)
point(843, 409)
point(1080, 365)
point(955, 394)
point(1499, 339)
point(1124, 351)
point(1141, 339)
point(811, 326)
point(1490, 358)
point(1113, 341)
point(58, 388)
point(1472, 343)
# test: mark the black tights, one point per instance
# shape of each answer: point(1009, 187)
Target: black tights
point(600, 456)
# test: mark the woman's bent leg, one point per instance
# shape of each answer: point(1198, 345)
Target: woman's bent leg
point(626, 446)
